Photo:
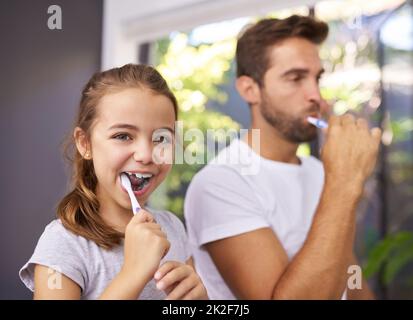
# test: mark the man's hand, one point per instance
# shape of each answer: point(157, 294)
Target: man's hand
point(350, 151)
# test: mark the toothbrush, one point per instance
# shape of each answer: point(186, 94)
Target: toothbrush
point(126, 183)
point(319, 123)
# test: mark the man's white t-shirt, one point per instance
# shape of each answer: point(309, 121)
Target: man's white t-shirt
point(238, 192)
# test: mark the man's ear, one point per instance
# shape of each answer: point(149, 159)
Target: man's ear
point(82, 143)
point(248, 89)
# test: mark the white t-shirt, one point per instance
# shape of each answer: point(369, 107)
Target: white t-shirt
point(93, 267)
point(238, 192)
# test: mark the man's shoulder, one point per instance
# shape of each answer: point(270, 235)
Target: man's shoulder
point(217, 173)
point(221, 181)
point(225, 167)
point(312, 163)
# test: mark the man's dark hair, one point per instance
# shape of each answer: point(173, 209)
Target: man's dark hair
point(253, 45)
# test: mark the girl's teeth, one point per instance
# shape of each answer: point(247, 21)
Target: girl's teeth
point(139, 180)
point(141, 175)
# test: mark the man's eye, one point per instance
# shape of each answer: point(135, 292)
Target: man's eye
point(296, 79)
point(122, 136)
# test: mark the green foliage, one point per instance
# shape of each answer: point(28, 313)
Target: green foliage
point(391, 254)
point(401, 129)
point(194, 75)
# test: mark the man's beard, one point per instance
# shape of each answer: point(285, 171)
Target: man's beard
point(291, 128)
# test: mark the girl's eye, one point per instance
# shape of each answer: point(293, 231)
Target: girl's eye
point(122, 136)
point(162, 139)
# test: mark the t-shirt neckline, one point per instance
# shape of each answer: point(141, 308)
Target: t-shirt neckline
point(273, 163)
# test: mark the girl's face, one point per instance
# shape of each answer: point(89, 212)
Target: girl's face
point(134, 127)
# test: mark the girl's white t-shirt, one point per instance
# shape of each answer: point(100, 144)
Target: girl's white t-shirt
point(238, 192)
point(93, 267)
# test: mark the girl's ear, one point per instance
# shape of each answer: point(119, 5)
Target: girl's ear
point(82, 143)
point(248, 90)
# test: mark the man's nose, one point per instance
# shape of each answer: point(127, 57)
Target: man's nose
point(313, 93)
point(143, 152)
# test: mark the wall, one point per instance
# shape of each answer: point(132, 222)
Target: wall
point(42, 72)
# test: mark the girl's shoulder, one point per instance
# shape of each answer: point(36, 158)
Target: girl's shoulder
point(55, 230)
point(169, 221)
point(163, 216)
point(61, 250)
point(56, 225)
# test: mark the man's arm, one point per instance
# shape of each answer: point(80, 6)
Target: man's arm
point(251, 263)
point(254, 264)
point(365, 292)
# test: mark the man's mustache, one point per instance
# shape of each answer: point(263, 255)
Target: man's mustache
point(315, 107)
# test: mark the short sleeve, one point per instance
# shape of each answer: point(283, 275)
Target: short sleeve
point(57, 250)
point(220, 203)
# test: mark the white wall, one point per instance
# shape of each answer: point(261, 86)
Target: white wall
point(127, 23)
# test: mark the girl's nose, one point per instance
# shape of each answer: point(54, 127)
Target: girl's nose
point(143, 153)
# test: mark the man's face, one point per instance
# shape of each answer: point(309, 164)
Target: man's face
point(290, 91)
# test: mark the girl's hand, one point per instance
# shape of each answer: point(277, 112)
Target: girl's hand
point(180, 281)
point(145, 245)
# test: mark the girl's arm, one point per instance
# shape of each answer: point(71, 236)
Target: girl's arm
point(53, 286)
point(56, 286)
point(145, 245)
point(122, 288)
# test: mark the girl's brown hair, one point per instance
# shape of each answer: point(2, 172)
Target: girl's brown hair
point(78, 210)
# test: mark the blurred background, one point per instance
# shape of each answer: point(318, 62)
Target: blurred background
point(368, 57)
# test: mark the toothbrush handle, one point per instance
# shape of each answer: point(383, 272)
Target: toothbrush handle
point(135, 204)
point(322, 124)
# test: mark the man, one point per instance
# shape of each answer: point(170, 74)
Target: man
point(287, 231)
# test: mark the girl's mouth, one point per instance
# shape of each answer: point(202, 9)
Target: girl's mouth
point(139, 181)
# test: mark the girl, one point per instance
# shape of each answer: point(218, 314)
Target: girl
point(97, 248)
